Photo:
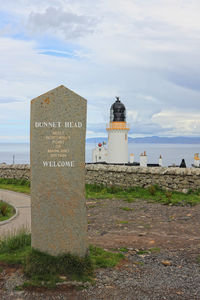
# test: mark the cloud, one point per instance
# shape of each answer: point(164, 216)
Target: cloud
point(13, 138)
point(64, 23)
point(179, 123)
point(147, 52)
point(186, 78)
point(9, 100)
point(57, 53)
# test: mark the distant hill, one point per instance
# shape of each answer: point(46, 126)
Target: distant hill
point(152, 140)
point(96, 140)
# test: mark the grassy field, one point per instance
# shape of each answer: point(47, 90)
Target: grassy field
point(16, 185)
point(43, 269)
point(152, 194)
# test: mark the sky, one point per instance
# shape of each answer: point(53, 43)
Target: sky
point(147, 52)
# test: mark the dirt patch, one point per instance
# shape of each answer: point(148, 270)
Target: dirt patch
point(144, 225)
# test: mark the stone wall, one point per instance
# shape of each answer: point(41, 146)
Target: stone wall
point(179, 179)
point(15, 171)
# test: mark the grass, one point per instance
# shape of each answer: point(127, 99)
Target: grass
point(46, 270)
point(16, 185)
point(123, 222)
point(152, 194)
point(104, 259)
point(155, 249)
point(124, 249)
point(147, 226)
point(91, 206)
point(6, 211)
point(15, 246)
point(141, 252)
point(127, 208)
point(148, 251)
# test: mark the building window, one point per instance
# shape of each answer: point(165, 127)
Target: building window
point(126, 137)
point(99, 157)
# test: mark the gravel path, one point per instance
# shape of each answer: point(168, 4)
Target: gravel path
point(167, 275)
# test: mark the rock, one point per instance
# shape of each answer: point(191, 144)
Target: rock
point(103, 232)
point(63, 277)
point(166, 262)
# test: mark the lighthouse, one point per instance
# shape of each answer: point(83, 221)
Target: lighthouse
point(117, 134)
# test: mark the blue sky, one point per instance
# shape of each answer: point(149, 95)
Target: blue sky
point(147, 52)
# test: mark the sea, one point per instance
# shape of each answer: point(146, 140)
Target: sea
point(19, 153)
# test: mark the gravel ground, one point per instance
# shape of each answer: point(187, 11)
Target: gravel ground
point(169, 269)
point(147, 277)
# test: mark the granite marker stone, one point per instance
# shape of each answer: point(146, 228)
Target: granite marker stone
point(58, 210)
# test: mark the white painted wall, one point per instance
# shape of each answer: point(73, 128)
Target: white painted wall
point(143, 160)
point(99, 154)
point(118, 146)
point(196, 163)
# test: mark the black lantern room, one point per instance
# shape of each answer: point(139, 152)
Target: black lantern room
point(118, 111)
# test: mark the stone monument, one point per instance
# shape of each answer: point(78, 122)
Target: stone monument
point(58, 210)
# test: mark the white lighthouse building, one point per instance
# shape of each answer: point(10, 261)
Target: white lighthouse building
point(117, 134)
point(99, 154)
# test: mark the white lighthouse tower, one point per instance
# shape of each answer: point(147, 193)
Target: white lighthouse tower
point(117, 134)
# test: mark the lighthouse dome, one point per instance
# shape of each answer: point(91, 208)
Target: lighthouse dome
point(117, 111)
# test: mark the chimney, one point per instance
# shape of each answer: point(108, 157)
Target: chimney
point(196, 159)
point(143, 159)
point(131, 158)
point(160, 161)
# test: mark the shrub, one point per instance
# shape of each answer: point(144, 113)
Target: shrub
point(4, 209)
point(168, 195)
point(15, 242)
point(152, 190)
point(113, 189)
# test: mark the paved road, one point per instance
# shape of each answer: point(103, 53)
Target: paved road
point(23, 203)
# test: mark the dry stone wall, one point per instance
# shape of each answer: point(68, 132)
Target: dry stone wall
point(15, 171)
point(179, 179)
